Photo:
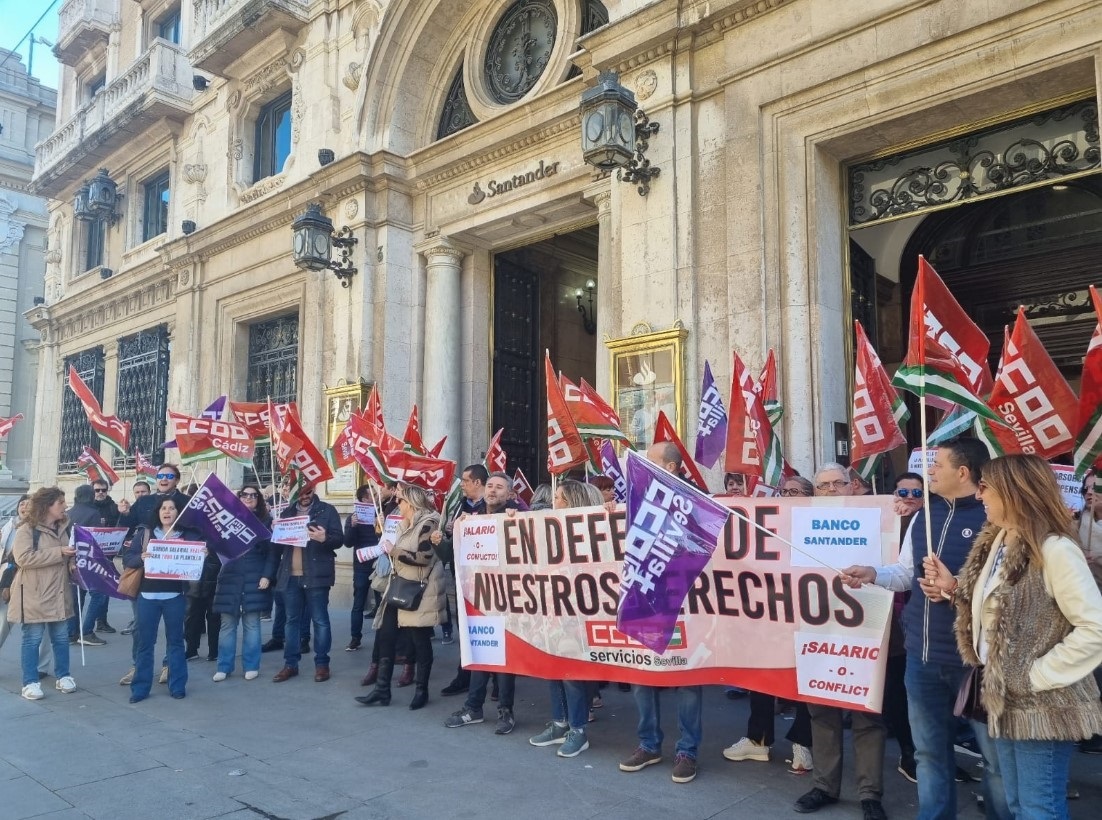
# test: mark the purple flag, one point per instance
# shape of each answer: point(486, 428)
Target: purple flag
point(610, 466)
point(229, 527)
point(672, 530)
point(95, 571)
point(213, 412)
point(711, 422)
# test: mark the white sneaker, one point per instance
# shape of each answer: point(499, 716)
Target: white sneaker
point(33, 691)
point(251, 675)
point(66, 685)
point(801, 760)
point(746, 749)
point(219, 677)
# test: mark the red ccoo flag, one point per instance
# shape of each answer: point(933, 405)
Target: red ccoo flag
point(143, 465)
point(522, 488)
point(875, 428)
point(7, 424)
point(1088, 437)
point(373, 412)
point(664, 431)
point(412, 437)
point(292, 447)
point(95, 466)
point(564, 443)
point(110, 429)
point(1032, 399)
point(496, 459)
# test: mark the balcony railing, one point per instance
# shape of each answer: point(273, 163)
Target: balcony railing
point(224, 30)
point(81, 25)
point(156, 86)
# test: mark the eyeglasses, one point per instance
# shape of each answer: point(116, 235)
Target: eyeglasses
point(99, 490)
point(791, 491)
point(166, 476)
point(903, 492)
point(248, 495)
point(837, 484)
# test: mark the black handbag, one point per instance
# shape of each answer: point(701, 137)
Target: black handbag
point(405, 593)
point(968, 704)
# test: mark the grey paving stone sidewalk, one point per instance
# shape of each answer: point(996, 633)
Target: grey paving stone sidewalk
point(302, 750)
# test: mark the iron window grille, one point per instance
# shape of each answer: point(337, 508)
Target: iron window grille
point(143, 392)
point(457, 113)
point(272, 373)
point(272, 143)
point(75, 429)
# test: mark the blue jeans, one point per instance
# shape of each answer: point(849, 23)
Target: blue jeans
point(994, 790)
point(150, 611)
point(1035, 776)
point(32, 639)
point(689, 711)
point(302, 603)
point(250, 641)
point(95, 609)
point(569, 703)
point(931, 694)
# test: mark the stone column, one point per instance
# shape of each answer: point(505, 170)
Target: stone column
point(608, 285)
point(442, 406)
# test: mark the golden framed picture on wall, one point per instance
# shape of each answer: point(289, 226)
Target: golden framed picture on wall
point(341, 402)
point(647, 376)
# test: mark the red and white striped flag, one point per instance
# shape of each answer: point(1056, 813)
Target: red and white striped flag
point(7, 424)
point(564, 443)
point(496, 459)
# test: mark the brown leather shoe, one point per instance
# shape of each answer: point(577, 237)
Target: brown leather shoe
point(286, 673)
point(321, 674)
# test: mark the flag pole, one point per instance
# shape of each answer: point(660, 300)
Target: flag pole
point(925, 466)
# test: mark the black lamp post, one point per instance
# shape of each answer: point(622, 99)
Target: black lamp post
point(313, 242)
point(615, 132)
point(589, 317)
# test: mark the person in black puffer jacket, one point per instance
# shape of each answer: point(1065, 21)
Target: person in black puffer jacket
point(200, 616)
point(242, 594)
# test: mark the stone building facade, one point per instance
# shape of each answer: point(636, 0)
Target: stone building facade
point(209, 116)
point(26, 118)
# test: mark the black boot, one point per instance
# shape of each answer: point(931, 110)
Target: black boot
point(421, 685)
point(381, 692)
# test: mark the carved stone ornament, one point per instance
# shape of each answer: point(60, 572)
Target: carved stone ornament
point(645, 84)
point(265, 186)
point(195, 173)
point(11, 232)
point(351, 208)
point(351, 78)
point(184, 276)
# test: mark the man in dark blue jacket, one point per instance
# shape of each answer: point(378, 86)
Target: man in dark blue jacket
point(934, 668)
point(305, 575)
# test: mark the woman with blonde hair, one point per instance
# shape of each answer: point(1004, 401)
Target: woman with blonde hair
point(41, 592)
point(1029, 619)
point(412, 558)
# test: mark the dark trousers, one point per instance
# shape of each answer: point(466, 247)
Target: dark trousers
point(763, 709)
point(279, 619)
point(506, 686)
point(198, 619)
point(361, 594)
point(390, 638)
point(868, 749)
point(895, 704)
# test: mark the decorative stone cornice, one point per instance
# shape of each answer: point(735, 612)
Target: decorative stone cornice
point(263, 188)
point(571, 123)
point(81, 320)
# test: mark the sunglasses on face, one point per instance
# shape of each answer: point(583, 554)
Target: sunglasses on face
point(903, 492)
point(166, 476)
point(99, 490)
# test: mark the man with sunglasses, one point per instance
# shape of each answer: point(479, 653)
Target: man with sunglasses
point(934, 668)
point(305, 575)
point(141, 511)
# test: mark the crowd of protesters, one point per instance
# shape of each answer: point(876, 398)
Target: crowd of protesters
point(1001, 611)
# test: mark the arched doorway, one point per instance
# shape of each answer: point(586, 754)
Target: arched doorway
point(1040, 248)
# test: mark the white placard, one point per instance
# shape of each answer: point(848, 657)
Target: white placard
point(364, 513)
point(291, 531)
point(837, 537)
point(175, 560)
point(109, 539)
point(1070, 486)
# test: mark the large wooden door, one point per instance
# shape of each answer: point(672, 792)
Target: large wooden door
point(516, 377)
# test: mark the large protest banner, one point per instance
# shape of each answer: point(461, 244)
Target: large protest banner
point(541, 590)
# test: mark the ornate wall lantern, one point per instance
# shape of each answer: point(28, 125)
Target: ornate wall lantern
point(589, 316)
point(313, 241)
point(103, 194)
point(81, 210)
point(615, 132)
